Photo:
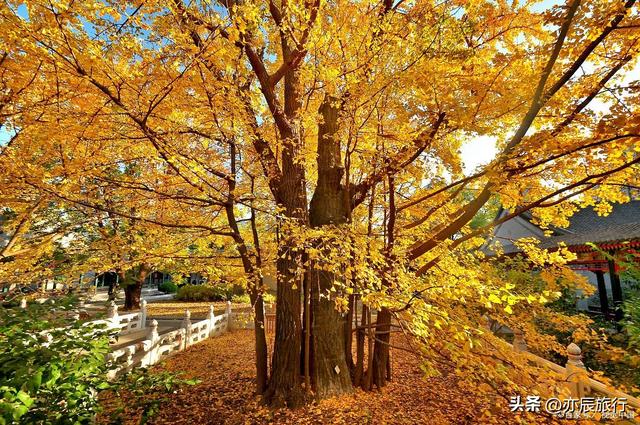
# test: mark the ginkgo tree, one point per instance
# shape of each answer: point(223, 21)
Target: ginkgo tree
point(340, 123)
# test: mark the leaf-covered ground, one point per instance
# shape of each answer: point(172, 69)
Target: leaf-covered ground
point(225, 395)
point(199, 310)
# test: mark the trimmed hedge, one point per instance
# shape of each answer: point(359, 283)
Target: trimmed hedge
point(203, 293)
point(168, 287)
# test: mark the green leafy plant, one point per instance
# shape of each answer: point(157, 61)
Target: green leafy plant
point(54, 366)
point(269, 298)
point(204, 293)
point(168, 287)
point(241, 299)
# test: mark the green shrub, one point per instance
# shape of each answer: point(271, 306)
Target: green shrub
point(245, 299)
point(241, 299)
point(269, 298)
point(168, 287)
point(54, 367)
point(203, 293)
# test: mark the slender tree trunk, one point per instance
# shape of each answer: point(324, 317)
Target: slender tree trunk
point(255, 279)
point(306, 354)
point(260, 341)
point(383, 321)
point(368, 380)
point(348, 334)
point(360, 338)
point(381, 347)
point(257, 300)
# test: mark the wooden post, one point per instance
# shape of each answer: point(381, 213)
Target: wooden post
point(186, 325)
point(212, 319)
point(575, 372)
point(519, 344)
point(143, 314)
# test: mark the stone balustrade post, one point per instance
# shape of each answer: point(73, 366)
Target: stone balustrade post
point(519, 344)
point(151, 345)
point(228, 313)
point(143, 314)
point(82, 307)
point(111, 373)
point(212, 318)
point(112, 313)
point(129, 359)
point(186, 325)
point(575, 372)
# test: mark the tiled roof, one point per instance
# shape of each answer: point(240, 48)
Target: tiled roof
point(622, 224)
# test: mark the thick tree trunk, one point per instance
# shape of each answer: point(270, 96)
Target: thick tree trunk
point(132, 295)
point(284, 384)
point(133, 290)
point(284, 387)
point(329, 205)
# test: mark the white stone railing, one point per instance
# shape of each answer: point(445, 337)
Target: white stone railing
point(576, 377)
point(156, 348)
point(127, 323)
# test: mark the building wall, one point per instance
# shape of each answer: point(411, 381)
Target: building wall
point(514, 229)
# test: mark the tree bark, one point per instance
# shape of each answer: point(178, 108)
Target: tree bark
point(284, 387)
point(381, 347)
point(360, 336)
point(348, 334)
point(383, 321)
point(133, 290)
point(329, 206)
point(132, 295)
point(255, 286)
